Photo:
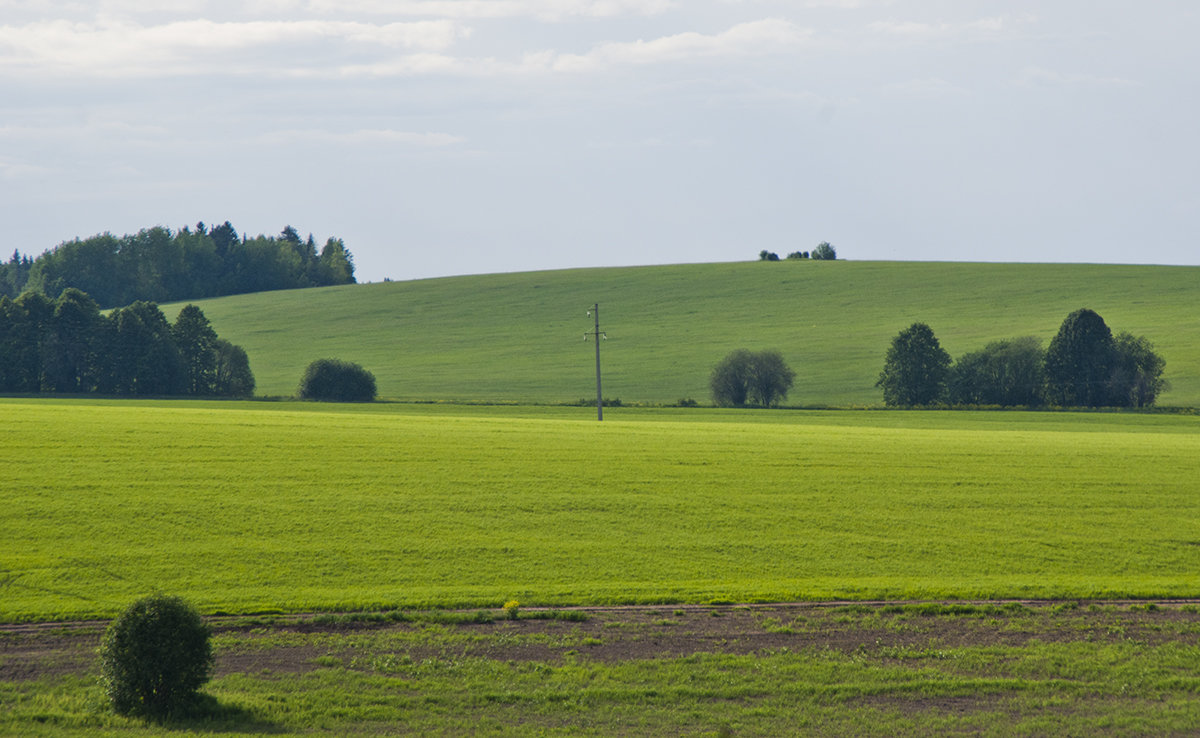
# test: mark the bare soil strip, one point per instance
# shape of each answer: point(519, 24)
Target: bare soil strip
point(35, 650)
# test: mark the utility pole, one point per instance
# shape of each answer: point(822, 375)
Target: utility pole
point(596, 335)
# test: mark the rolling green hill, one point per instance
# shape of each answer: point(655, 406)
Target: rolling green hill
point(519, 337)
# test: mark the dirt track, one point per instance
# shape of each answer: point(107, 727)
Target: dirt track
point(30, 651)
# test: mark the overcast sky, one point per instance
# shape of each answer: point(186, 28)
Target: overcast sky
point(467, 136)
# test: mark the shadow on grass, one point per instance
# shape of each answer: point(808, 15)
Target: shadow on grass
point(208, 714)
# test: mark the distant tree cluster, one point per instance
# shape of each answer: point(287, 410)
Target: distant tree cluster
point(744, 377)
point(159, 265)
point(68, 346)
point(823, 252)
point(1085, 366)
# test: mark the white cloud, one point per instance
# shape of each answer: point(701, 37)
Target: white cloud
point(18, 170)
point(928, 88)
point(547, 10)
point(196, 46)
point(1039, 76)
point(921, 31)
point(373, 137)
point(755, 37)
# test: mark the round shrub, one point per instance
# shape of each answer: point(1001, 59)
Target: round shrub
point(155, 656)
point(334, 380)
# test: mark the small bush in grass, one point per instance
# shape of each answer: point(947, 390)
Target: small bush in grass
point(335, 380)
point(154, 657)
point(512, 609)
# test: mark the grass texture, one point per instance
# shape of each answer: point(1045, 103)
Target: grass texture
point(519, 337)
point(1047, 674)
point(251, 507)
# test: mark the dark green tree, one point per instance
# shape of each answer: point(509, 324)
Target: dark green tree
point(69, 344)
point(231, 371)
point(196, 342)
point(336, 265)
point(21, 348)
point(1137, 372)
point(145, 359)
point(1008, 373)
point(154, 657)
point(730, 379)
point(333, 380)
point(1080, 362)
point(915, 369)
point(824, 252)
point(744, 377)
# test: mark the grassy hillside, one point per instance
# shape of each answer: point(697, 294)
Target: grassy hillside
point(519, 337)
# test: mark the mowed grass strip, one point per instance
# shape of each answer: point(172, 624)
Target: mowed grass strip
point(244, 507)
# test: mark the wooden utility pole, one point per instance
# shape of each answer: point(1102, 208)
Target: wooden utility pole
point(596, 335)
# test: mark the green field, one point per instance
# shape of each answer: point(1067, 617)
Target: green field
point(249, 507)
point(518, 337)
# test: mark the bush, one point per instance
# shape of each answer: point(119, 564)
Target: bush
point(334, 380)
point(155, 656)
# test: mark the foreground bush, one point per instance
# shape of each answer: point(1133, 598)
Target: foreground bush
point(155, 656)
point(334, 380)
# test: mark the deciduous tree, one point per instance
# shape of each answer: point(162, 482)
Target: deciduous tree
point(751, 377)
point(915, 368)
point(1080, 361)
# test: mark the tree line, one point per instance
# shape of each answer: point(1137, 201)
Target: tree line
point(67, 345)
point(823, 252)
point(160, 265)
point(1084, 366)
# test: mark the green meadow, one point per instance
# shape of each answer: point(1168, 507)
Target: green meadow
point(519, 337)
point(293, 507)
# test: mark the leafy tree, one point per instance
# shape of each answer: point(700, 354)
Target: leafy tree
point(27, 322)
point(730, 379)
point(915, 369)
point(1080, 361)
point(798, 255)
point(155, 656)
point(765, 255)
point(336, 264)
point(824, 252)
point(1137, 374)
point(69, 346)
point(334, 380)
point(231, 370)
point(757, 377)
point(1008, 373)
point(196, 341)
point(145, 359)
point(224, 239)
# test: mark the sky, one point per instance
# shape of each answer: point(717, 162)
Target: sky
point(441, 137)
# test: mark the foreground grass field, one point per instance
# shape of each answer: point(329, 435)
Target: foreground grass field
point(252, 507)
point(518, 337)
point(988, 669)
